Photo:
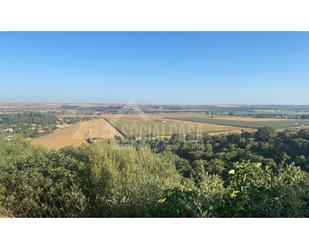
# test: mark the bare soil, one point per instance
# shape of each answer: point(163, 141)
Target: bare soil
point(77, 134)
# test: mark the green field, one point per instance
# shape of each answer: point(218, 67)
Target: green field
point(247, 124)
point(158, 127)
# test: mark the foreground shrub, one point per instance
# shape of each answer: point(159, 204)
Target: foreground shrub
point(122, 182)
point(91, 181)
point(108, 180)
point(256, 191)
point(250, 190)
point(41, 185)
point(191, 201)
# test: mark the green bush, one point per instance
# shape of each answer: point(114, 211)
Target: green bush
point(121, 181)
point(110, 180)
point(257, 191)
point(95, 181)
point(41, 185)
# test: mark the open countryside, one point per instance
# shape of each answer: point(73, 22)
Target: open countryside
point(248, 123)
point(78, 134)
point(115, 125)
point(107, 126)
point(158, 126)
point(154, 124)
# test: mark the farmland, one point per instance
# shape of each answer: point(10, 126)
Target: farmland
point(156, 125)
point(154, 157)
point(246, 122)
point(78, 134)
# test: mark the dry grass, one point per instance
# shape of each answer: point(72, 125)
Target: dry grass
point(162, 125)
point(156, 124)
point(225, 129)
point(77, 134)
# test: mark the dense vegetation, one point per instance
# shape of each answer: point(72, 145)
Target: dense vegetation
point(262, 174)
point(98, 180)
point(27, 124)
point(215, 153)
point(33, 124)
point(27, 118)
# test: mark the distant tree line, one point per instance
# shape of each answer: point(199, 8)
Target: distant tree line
point(35, 124)
point(27, 124)
point(27, 118)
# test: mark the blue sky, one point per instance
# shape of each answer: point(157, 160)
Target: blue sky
point(155, 67)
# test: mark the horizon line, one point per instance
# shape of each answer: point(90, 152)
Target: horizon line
point(143, 104)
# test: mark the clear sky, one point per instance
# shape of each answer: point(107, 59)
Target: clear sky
point(155, 67)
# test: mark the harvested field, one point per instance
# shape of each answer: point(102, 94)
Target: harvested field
point(77, 134)
point(157, 125)
point(224, 128)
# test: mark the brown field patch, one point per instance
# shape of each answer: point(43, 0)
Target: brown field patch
point(227, 129)
point(223, 127)
point(77, 134)
point(162, 125)
point(134, 116)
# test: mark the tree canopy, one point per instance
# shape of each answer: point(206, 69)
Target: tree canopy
point(261, 174)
